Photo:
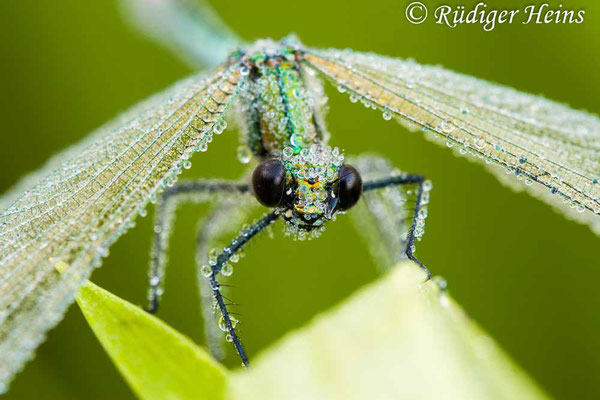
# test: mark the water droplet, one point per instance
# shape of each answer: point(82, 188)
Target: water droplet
point(522, 160)
point(387, 115)
point(154, 281)
point(244, 154)
point(479, 142)
point(296, 140)
point(288, 152)
point(223, 323)
point(227, 269)
point(440, 282)
point(447, 126)
point(187, 164)
point(220, 126)
point(103, 251)
point(206, 271)
point(229, 338)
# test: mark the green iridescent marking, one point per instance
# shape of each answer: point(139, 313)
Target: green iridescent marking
point(281, 114)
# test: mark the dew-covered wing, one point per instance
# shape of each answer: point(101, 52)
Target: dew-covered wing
point(553, 149)
point(83, 202)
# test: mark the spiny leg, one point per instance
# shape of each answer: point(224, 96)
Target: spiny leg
point(384, 217)
point(223, 219)
point(418, 217)
point(197, 191)
point(223, 258)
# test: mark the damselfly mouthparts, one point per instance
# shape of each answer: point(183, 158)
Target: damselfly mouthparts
point(75, 208)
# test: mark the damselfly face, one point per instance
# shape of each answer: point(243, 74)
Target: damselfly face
point(310, 187)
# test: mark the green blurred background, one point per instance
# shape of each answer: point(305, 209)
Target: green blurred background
point(523, 272)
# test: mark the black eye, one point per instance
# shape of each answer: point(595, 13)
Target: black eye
point(350, 187)
point(268, 182)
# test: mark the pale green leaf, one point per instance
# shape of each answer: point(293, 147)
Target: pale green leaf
point(157, 361)
point(399, 338)
point(396, 339)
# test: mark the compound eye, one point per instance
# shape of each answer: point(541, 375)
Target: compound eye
point(268, 182)
point(350, 187)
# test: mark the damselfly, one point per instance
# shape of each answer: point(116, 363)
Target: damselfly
point(72, 210)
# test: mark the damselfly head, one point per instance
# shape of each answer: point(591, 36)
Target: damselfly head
point(310, 187)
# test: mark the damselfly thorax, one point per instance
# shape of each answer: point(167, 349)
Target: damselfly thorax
point(281, 112)
point(282, 108)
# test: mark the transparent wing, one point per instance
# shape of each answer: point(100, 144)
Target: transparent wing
point(188, 27)
point(87, 200)
point(551, 148)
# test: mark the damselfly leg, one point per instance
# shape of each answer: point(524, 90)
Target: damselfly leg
point(198, 191)
point(391, 215)
point(228, 213)
point(223, 220)
point(226, 321)
point(417, 214)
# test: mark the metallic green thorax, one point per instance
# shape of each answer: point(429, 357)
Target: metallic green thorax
point(279, 109)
